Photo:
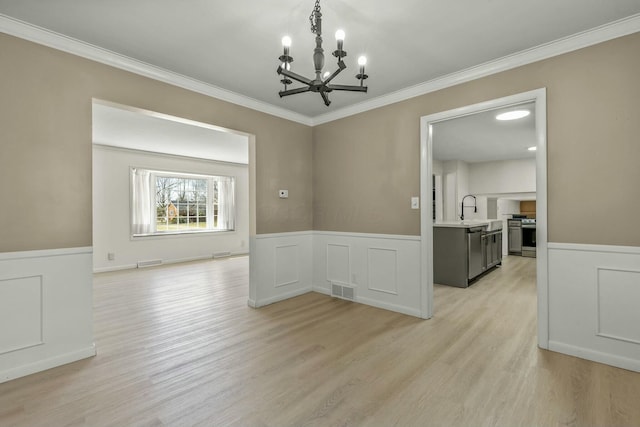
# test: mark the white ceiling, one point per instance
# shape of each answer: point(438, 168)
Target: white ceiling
point(147, 131)
point(481, 138)
point(234, 45)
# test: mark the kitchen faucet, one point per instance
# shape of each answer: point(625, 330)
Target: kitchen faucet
point(475, 207)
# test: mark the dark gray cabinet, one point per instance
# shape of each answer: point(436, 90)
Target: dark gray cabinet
point(461, 254)
point(493, 249)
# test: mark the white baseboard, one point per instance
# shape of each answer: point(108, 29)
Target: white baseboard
point(281, 297)
point(115, 268)
point(321, 290)
point(596, 356)
point(169, 261)
point(375, 303)
point(43, 365)
point(409, 311)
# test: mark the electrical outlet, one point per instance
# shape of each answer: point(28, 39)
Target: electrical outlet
point(111, 256)
point(283, 194)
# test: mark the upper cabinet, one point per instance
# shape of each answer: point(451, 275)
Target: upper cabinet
point(528, 208)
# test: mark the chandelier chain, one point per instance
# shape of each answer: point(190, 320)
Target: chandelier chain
point(312, 17)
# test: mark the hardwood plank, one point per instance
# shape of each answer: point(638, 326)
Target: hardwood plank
point(178, 346)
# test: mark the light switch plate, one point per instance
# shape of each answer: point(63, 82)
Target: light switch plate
point(415, 203)
point(283, 194)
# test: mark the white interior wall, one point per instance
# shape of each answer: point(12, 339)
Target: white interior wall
point(507, 207)
point(504, 176)
point(111, 202)
point(481, 205)
point(437, 167)
point(492, 208)
point(450, 189)
point(462, 186)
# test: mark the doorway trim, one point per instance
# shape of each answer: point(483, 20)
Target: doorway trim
point(539, 96)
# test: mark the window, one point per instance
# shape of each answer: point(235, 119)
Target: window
point(168, 203)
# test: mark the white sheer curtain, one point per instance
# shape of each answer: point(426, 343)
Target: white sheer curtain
point(226, 203)
point(140, 201)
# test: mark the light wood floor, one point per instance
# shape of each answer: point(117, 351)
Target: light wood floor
point(178, 346)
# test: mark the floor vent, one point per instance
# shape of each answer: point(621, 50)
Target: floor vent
point(149, 263)
point(221, 255)
point(340, 290)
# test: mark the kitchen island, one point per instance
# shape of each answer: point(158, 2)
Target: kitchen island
point(465, 250)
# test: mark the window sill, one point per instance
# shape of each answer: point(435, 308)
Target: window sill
point(185, 233)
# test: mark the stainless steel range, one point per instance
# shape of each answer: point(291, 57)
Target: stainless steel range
point(529, 238)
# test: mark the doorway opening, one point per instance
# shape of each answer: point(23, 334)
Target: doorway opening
point(168, 189)
point(438, 183)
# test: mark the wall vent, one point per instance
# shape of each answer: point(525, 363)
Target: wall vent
point(221, 254)
point(149, 263)
point(343, 291)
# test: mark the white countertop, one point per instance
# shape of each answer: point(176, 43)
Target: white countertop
point(491, 224)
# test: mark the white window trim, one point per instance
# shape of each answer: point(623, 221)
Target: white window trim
point(210, 212)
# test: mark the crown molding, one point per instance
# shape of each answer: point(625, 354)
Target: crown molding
point(33, 33)
point(577, 41)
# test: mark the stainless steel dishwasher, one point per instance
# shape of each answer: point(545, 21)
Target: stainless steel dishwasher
point(475, 251)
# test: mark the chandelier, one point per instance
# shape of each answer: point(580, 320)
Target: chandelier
point(321, 83)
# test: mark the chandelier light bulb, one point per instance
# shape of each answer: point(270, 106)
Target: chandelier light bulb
point(362, 61)
point(340, 35)
point(286, 41)
point(326, 74)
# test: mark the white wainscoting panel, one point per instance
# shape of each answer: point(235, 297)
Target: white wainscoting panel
point(281, 266)
point(338, 263)
point(383, 269)
point(619, 304)
point(287, 265)
point(45, 310)
point(594, 303)
point(21, 313)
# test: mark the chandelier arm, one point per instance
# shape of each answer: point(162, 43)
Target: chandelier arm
point(341, 67)
point(348, 88)
point(294, 76)
point(325, 98)
point(294, 91)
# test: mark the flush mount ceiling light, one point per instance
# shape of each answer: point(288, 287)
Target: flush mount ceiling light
point(513, 115)
point(321, 82)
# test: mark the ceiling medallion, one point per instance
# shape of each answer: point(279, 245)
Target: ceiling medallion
point(321, 83)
